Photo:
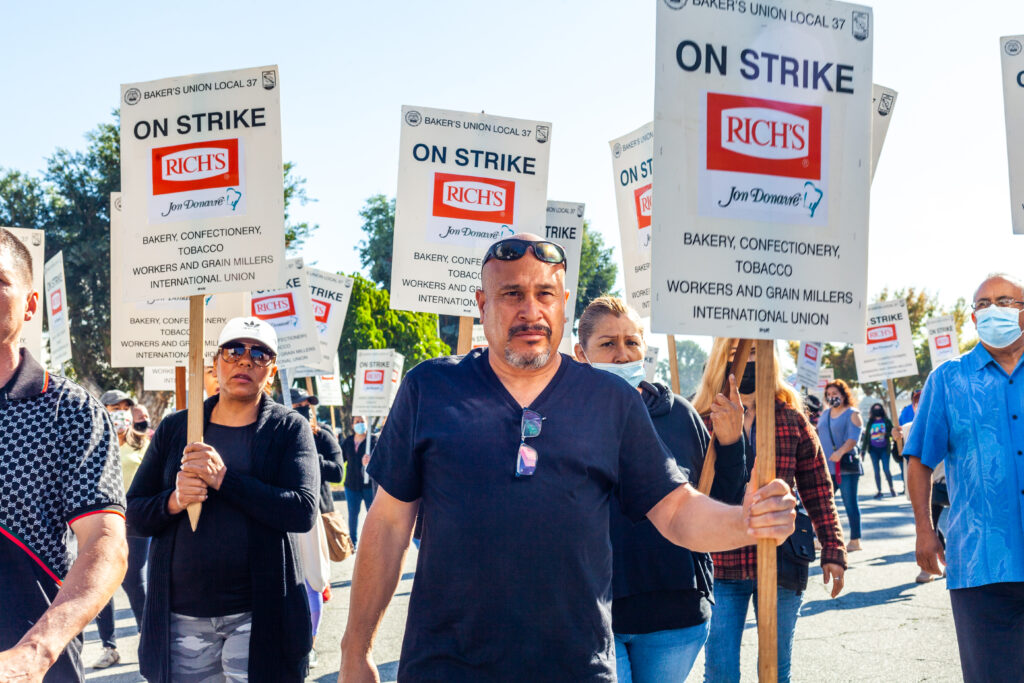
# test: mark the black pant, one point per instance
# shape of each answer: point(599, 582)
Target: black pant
point(990, 631)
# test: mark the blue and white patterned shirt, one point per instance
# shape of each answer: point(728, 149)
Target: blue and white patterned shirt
point(971, 417)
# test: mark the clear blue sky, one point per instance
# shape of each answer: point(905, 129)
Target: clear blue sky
point(940, 214)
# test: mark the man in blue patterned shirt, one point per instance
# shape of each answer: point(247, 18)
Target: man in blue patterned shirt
point(60, 474)
point(971, 417)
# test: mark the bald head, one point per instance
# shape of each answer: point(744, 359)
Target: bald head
point(999, 285)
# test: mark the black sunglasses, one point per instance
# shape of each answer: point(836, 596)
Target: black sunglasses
point(513, 249)
point(261, 356)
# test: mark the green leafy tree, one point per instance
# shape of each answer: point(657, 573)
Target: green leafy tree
point(371, 324)
point(598, 270)
point(71, 203)
point(375, 251)
point(691, 359)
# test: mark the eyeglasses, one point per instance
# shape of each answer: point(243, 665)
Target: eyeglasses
point(233, 352)
point(526, 459)
point(513, 249)
point(1002, 302)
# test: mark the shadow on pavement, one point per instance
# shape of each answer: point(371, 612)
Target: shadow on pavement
point(388, 672)
point(859, 599)
point(408, 576)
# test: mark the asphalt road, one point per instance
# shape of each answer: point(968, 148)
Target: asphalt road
point(884, 627)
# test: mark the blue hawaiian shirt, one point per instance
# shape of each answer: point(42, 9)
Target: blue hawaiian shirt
point(971, 416)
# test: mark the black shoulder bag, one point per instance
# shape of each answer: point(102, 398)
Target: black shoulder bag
point(796, 554)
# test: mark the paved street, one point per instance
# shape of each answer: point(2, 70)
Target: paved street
point(884, 627)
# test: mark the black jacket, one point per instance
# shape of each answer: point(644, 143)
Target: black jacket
point(353, 455)
point(331, 468)
point(645, 564)
point(279, 499)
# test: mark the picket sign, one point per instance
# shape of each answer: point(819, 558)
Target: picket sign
point(673, 363)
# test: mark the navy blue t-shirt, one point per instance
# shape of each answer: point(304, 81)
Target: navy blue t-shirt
point(513, 580)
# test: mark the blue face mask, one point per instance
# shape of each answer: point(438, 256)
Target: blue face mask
point(631, 372)
point(359, 427)
point(998, 326)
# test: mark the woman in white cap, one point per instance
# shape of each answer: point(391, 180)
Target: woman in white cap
point(228, 599)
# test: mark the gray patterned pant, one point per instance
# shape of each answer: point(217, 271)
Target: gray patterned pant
point(210, 649)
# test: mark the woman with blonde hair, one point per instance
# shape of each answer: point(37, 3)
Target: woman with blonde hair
point(661, 593)
point(800, 462)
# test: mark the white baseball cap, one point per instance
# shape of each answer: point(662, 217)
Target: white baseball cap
point(249, 328)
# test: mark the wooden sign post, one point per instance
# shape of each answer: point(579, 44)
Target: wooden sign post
point(673, 363)
point(764, 472)
point(737, 368)
point(196, 322)
point(465, 344)
point(312, 408)
point(179, 387)
point(891, 387)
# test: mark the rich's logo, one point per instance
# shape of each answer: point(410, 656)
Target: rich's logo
point(881, 334)
point(273, 306)
point(642, 201)
point(373, 377)
point(943, 341)
point(56, 302)
point(811, 353)
point(474, 199)
point(752, 135)
point(321, 309)
point(195, 166)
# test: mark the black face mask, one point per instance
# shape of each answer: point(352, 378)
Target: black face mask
point(747, 382)
point(303, 411)
point(141, 426)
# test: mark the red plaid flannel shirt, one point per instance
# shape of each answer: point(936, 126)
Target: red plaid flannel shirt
point(800, 462)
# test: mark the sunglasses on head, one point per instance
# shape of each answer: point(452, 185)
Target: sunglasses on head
point(513, 249)
point(261, 356)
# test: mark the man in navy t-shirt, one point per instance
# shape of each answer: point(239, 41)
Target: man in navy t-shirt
point(512, 454)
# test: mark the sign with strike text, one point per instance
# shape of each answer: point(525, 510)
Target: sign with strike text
point(378, 374)
point(632, 163)
point(57, 311)
point(479, 338)
point(825, 377)
point(883, 104)
point(943, 343)
point(329, 295)
point(328, 387)
point(887, 351)
point(202, 184)
point(1011, 50)
point(761, 117)
point(464, 181)
point(289, 310)
point(808, 364)
point(564, 227)
point(154, 332)
point(32, 331)
point(651, 363)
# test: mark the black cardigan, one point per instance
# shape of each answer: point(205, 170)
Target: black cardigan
point(645, 563)
point(331, 467)
point(279, 498)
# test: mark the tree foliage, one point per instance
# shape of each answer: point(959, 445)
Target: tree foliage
point(379, 226)
point(371, 324)
point(598, 270)
point(71, 203)
point(691, 359)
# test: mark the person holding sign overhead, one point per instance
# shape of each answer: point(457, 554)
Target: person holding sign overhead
point(514, 465)
point(228, 599)
point(661, 592)
point(839, 430)
point(971, 419)
point(800, 462)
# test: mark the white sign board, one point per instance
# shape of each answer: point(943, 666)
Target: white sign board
point(632, 163)
point(808, 364)
point(888, 350)
point(32, 331)
point(825, 377)
point(328, 387)
point(761, 119)
point(289, 310)
point(378, 374)
point(57, 311)
point(479, 338)
point(159, 378)
point(155, 331)
point(883, 103)
point(564, 227)
point(1012, 53)
point(202, 182)
point(651, 363)
point(464, 181)
point(329, 295)
point(943, 343)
